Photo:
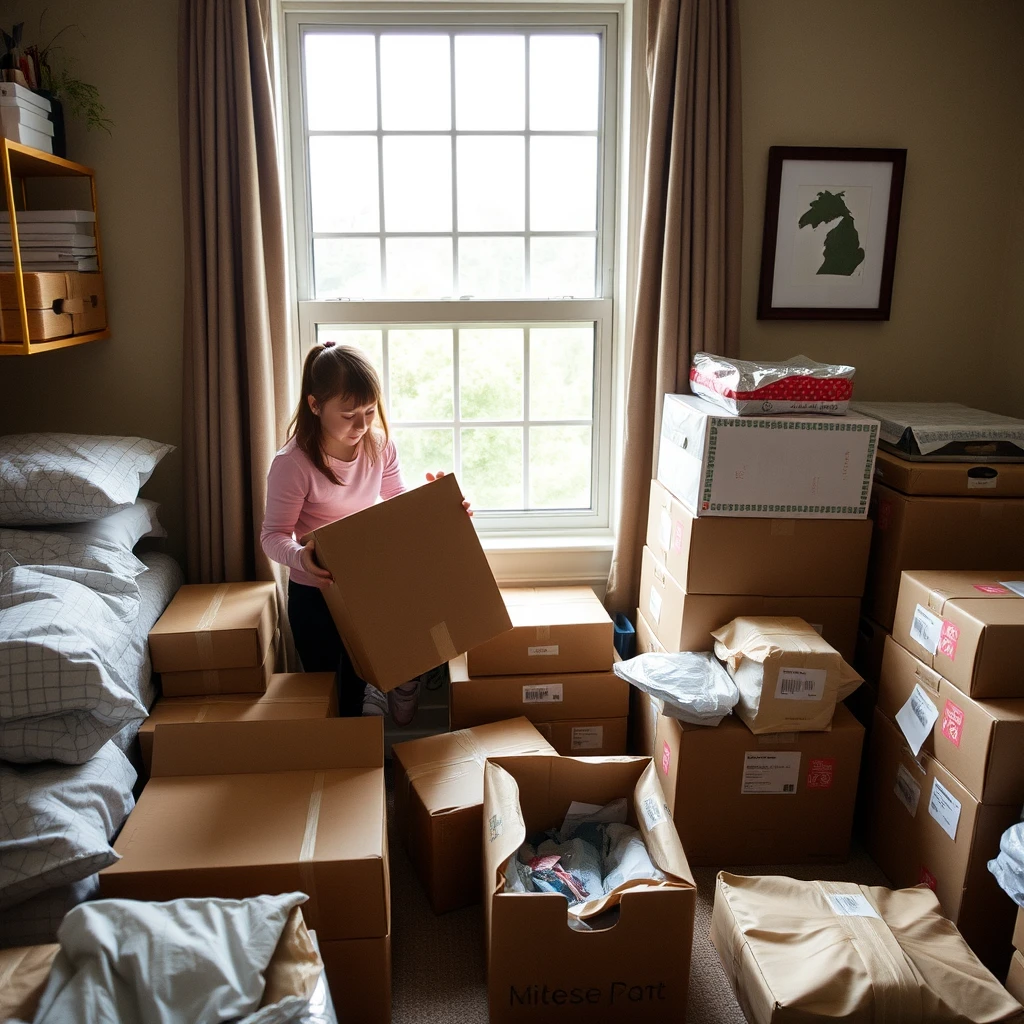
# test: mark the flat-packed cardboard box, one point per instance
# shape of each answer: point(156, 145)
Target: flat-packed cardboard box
point(235, 809)
point(439, 786)
point(538, 968)
point(950, 479)
point(925, 827)
point(980, 742)
point(24, 971)
point(968, 626)
point(359, 977)
point(683, 622)
point(1015, 977)
point(557, 697)
point(402, 605)
point(780, 557)
point(737, 798)
point(797, 951)
point(214, 626)
point(787, 675)
point(591, 737)
point(289, 696)
point(554, 629)
point(913, 532)
point(797, 467)
point(246, 682)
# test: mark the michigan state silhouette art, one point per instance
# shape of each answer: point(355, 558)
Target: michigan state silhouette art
point(842, 251)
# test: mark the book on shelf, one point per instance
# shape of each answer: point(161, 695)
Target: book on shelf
point(54, 241)
point(68, 216)
point(47, 255)
point(84, 263)
point(46, 227)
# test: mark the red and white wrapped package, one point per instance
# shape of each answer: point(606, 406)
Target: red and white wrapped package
point(747, 388)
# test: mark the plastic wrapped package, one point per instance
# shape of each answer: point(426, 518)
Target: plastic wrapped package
point(1008, 864)
point(747, 388)
point(694, 687)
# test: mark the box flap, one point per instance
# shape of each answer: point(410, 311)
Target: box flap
point(235, 748)
point(553, 606)
point(978, 586)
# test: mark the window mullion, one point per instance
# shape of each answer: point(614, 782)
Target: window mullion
point(526, 418)
point(457, 401)
point(380, 171)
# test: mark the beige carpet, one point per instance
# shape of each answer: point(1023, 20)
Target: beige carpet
point(438, 970)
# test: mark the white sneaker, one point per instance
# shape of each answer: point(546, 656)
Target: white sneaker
point(374, 702)
point(403, 701)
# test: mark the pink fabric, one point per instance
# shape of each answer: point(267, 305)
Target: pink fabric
point(301, 499)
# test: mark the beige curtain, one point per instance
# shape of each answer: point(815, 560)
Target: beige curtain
point(237, 374)
point(688, 276)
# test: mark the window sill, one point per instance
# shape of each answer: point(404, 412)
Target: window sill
point(549, 559)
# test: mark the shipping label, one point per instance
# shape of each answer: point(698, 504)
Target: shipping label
point(587, 737)
point(664, 530)
point(916, 718)
point(546, 651)
point(821, 772)
point(1017, 586)
point(944, 808)
point(907, 790)
point(551, 693)
point(989, 588)
point(851, 904)
point(926, 629)
point(800, 684)
point(666, 758)
point(677, 537)
point(927, 878)
point(654, 813)
point(953, 723)
point(982, 483)
point(655, 606)
point(949, 637)
point(770, 772)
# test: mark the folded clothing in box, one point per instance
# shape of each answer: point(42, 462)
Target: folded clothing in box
point(789, 678)
point(797, 951)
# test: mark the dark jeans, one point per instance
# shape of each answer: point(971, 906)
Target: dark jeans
point(320, 647)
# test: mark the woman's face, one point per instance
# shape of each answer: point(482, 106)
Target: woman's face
point(343, 419)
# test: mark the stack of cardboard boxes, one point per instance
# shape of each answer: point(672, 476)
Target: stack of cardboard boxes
point(554, 667)
point(946, 776)
point(754, 516)
point(1015, 976)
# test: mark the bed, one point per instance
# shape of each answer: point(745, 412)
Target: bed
point(77, 601)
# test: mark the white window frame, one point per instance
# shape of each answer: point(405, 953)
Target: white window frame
point(603, 311)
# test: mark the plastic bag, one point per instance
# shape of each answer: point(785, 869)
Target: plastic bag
point(1008, 864)
point(695, 688)
point(747, 388)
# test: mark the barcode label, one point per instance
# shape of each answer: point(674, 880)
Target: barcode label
point(800, 684)
point(547, 651)
point(549, 694)
point(655, 606)
point(850, 904)
point(916, 718)
point(907, 791)
point(654, 812)
point(944, 808)
point(770, 772)
point(926, 629)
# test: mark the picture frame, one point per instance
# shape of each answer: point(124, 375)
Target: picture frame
point(843, 267)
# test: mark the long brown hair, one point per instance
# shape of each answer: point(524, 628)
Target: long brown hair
point(331, 371)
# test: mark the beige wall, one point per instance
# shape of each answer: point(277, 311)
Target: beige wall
point(129, 383)
point(943, 79)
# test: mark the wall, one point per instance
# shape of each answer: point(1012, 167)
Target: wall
point(129, 383)
point(943, 79)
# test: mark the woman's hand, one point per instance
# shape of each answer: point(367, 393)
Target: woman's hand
point(311, 565)
point(431, 477)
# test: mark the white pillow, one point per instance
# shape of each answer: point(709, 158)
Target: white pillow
point(125, 529)
point(72, 478)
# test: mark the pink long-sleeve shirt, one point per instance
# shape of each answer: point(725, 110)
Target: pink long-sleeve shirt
point(301, 499)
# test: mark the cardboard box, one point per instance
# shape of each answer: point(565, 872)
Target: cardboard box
point(211, 682)
point(58, 304)
point(403, 606)
point(439, 785)
point(778, 557)
point(42, 290)
point(235, 809)
point(538, 968)
point(644, 712)
point(214, 626)
point(936, 533)
point(787, 675)
point(359, 976)
point(798, 951)
point(797, 467)
point(24, 971)
point(554, 629)
point(646, 641)
point(867, 656)
point(43, 324)
point(1015, 977)
point(683, 622)
point(786, 798)
point(968, 626)
point(540, 698)
point(950, 479)
point(591, 737)
point(1018, 929)
point(925, 827)
point(979, 742)
point(289, 696)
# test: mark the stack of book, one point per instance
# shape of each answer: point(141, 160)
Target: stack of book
point(50, 240)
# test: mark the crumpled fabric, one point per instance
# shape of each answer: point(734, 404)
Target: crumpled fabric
point(188, 961)
point(1008, 864)
point(693, 685)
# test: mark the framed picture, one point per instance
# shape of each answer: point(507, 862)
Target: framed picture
point(831, 220)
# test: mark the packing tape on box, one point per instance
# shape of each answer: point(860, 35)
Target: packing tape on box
point(443, 642)
point(204, 638)
point(543, 634)
point(306, 873)
point(210, 679)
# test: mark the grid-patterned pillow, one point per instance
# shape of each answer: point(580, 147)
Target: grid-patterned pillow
point(72, 478)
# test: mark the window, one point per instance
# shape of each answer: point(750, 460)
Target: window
point(453, 181)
